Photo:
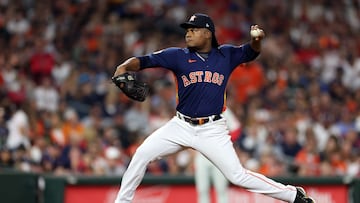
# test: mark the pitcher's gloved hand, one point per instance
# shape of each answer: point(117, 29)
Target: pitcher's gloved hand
point(132, 88)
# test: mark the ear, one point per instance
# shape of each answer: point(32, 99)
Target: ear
point(208, 34)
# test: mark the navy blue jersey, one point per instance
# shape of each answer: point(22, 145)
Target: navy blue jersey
point(201, 82)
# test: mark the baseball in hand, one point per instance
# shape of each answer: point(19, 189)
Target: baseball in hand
point(255, 33)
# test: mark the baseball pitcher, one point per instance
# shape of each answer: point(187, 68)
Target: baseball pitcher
point(202, 70)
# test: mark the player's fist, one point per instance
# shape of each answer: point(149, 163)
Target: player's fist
point(256, 32)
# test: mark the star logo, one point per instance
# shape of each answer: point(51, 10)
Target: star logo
point(192, 18)
point(191, 60)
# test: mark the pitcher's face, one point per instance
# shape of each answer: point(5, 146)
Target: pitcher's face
point(197, 38)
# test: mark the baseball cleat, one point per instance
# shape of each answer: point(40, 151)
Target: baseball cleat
point(301, 196)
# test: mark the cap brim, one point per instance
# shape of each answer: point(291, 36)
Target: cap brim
point(188, 25)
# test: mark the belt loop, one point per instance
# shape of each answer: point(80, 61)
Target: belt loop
point(201, 121)
point(179, 115)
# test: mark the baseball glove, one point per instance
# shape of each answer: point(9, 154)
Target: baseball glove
point(132, 88)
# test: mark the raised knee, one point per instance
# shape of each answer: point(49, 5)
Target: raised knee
point(143, 155)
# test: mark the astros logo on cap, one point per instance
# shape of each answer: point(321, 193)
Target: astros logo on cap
point(192, 18)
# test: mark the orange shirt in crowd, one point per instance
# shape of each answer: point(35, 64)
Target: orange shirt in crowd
point(69, 129)
point(308, 162)
point(247, 79)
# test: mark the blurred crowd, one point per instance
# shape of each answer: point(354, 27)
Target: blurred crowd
point(298, 103)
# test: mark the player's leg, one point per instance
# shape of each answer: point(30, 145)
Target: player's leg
point(221, 184)
point(164, 141)
point(202, 178)
point(214, 142)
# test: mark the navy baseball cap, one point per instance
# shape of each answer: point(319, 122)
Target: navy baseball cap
point(199, 20)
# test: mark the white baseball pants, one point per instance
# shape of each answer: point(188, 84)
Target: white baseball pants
point(213, 141)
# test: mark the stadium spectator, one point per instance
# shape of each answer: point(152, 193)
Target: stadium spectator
point(46, 97)
point(308, 159)
point(18, 126)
